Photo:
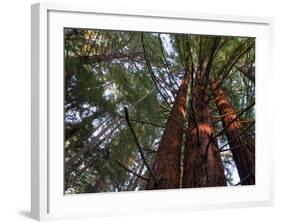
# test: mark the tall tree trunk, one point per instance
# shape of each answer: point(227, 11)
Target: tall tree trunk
point(166, 166)
point(243, 151)
point(202, 164)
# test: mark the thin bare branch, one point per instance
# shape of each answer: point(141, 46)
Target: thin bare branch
point(131, 171)
point(226, 127)
point(138, 144)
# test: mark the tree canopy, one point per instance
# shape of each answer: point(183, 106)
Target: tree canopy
point(121, 89)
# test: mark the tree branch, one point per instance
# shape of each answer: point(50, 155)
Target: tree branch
point(245, 178)
point(225, 128)
point(138, 144)
point(132, 172)
point(243, 132)
point(233, 120)
point(166, 64)
point(230, 149)
point(236, 60)
point(95, 141)
point(209, 65)
point(148, 65)
point(191, 97)
point(145, 122)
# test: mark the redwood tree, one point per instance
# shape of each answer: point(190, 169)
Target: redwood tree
point(202, 165)
point(166, 166)
point(185, 97)
point(242, 149)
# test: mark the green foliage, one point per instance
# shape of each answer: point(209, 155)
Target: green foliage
point(108, 70)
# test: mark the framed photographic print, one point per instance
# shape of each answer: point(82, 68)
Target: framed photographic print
point(148, 111)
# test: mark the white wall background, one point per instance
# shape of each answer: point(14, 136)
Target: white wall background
point(15, 110)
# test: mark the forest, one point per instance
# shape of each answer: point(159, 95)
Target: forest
point(151, 111)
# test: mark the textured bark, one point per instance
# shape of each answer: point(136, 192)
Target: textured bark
point(166, 166)
point(244, 154)
point(202, 164)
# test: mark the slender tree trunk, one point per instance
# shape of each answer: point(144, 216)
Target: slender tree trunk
point(202, 164)
point(243, 151)
point(167, 162)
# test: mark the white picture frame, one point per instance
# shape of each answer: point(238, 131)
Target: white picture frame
point(48, 200)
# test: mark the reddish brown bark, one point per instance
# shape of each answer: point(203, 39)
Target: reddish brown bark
point(166, 166)
point(243, 150)
point(202, 167)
